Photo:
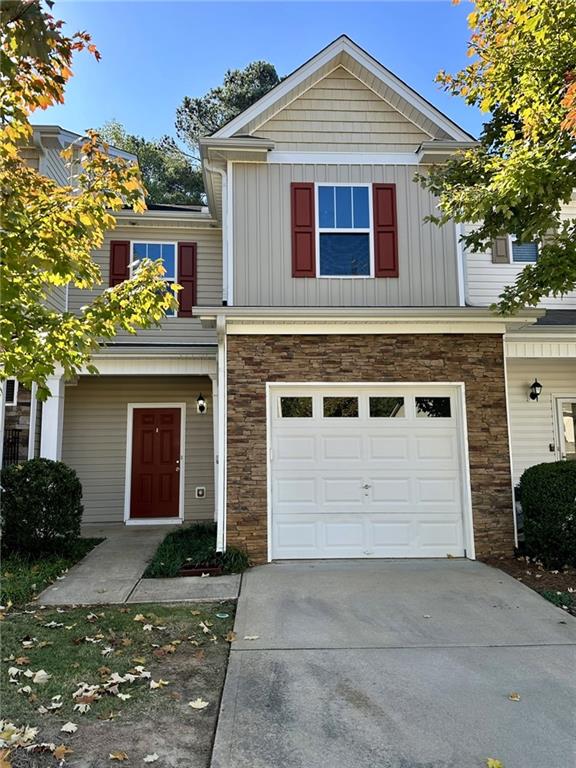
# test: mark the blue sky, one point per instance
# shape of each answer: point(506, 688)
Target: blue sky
point(155, 53)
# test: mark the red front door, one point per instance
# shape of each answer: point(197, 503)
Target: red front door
point(155, 463)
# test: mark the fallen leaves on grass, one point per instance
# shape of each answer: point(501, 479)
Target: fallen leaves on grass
point(41, 677)
point(158, 684)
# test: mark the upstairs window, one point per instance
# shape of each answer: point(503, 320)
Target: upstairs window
point(344, 231)
point(154, 251)
point(523, 253)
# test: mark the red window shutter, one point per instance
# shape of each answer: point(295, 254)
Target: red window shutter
point(385, 230)
point(303, 230)
point(187, 278)
point(119, 261)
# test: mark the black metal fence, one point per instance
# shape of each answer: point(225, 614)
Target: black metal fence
point(11, 454)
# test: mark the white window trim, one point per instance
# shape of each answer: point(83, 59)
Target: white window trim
point(557, 400)
point(464, 449)
point(14, 400)
point(128, 473)
point(148, 241)
point(512, 239)
point(347, 230)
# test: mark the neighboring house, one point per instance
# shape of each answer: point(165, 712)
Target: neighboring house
point(334, 384)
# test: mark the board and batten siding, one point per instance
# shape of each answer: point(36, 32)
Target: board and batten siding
point(533, 424)
point(486, 280)
point(95, 432)
point(262, 242)
point(173, 330)
point(340, 112)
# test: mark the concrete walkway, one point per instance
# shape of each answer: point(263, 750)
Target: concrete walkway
point(112, 573)
point(396, 664)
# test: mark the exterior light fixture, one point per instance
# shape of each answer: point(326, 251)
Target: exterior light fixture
point(535, 390)
point(201, 406)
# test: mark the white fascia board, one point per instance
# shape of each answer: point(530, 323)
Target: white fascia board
point(343, 158)
point(192, 218)
point(344, 45)
point(374, 327)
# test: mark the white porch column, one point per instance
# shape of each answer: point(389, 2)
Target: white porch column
point(221, 437)
point(2, 416)
point(214, 379)
point(53, 420)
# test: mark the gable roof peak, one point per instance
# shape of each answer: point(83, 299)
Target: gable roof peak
point(342, 47)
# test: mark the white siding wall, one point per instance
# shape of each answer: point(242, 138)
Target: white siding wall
point(532, 424)
point(486, 281)
point(94, 439)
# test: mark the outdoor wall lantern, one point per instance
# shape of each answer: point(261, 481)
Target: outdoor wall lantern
point(535, 390)
point(201, 404)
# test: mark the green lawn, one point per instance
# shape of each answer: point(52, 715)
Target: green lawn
point(124, 676)
point(24, 577)
point(83, 645)
point(194, 546)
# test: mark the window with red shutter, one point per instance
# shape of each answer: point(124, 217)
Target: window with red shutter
point(119, 262)
point(187, 278)
point(303, 230)
point(385, 230)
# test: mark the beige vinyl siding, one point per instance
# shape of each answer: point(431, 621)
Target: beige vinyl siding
point(31, 155)
point(95, 431)
point(56, 299)
point(173, 330)
point(341, 113)
point(262, 242)
point(533, 424)
point(54, 166)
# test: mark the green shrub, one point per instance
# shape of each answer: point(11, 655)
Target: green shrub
point(41, 507)
point(194, 546)
point(548, 493)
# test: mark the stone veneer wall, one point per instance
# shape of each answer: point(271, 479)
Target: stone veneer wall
point(477, 360)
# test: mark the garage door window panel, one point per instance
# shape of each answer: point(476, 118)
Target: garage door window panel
point(433, 408)
point(296, 407)
point(340, 407)
point(387, 408)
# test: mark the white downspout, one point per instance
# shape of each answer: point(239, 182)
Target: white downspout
point(32, 421)
point(221, 478)
point(225, 239)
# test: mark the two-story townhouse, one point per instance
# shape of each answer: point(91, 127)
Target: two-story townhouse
point(366, 410)
point(335, 384)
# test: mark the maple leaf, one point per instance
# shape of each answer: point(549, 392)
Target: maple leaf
point(69, 727)
point(118, 756)
point(230, 637)
point(198, 703)
point(151, 758)
point(61, 751)
point(4, 758)
point(514, 696)
point(139, 617)
point(22, 661)
point(41, 677)
point(492, 763)
point(160, 684)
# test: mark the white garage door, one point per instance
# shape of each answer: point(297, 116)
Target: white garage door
point(366, 472)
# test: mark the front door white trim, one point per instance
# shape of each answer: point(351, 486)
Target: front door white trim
point(559, 399)
point(466, 491)
point(128, 477)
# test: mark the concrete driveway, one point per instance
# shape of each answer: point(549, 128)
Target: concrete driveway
point(396, 664)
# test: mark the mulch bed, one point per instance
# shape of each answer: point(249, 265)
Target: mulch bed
point(536, 577)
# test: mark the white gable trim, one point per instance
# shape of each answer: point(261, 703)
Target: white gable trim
point(341, 45)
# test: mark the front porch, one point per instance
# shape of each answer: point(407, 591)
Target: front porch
point(141, 438)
